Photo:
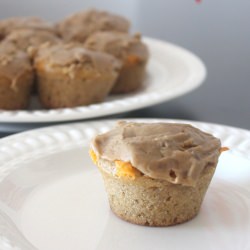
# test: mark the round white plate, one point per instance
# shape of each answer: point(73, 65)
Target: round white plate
point(172, 71)
point(52, 196)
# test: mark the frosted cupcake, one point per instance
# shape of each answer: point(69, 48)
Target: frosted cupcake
point(130, 50)
point(16, 78)
point(15, 23)
point(25, 39)
point(156, 174)
point(79, 26)
point(68, 75)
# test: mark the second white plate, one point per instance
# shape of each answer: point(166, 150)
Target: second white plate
point(52, 196)
point(172, 71)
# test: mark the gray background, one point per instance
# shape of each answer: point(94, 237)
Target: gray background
point(217, 30)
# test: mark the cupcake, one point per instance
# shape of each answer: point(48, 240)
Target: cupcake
point(68, 75)
point(25, 39)
point(132, 52)
point(156, 174)
point(79, 26)
point(14, 23)
point(16, 78)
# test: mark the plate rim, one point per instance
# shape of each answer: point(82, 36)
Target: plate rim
point(79, 113)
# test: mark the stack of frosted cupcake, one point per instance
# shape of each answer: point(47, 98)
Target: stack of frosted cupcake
point(78, 61)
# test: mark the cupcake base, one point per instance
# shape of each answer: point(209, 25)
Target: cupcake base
point(56, 91)
point(16, 96)
point(130, 79)
point(150, 202)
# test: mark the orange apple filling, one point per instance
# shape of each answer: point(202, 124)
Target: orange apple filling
point(223, 149)
point(132, 60)
point(123, 169)
point(93, 156)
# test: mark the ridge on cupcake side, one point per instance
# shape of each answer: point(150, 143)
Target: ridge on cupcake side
point(130, 50)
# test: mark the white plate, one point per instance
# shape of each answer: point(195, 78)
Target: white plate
point(172, 71)
point(52, 196)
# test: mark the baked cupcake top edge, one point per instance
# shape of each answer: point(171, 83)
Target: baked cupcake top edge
point(73, 55)
point(25, 38)
point(30, 22)
point(78, 26)
point(119, 44)
point(14, 64)
point(174, 152)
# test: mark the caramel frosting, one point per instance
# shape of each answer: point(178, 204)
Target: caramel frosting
point(13, 23)
point(177, 153)
point(118, 44)
point(69, 56)
point(79, 26)
point(13, 63)
point(24, 39)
